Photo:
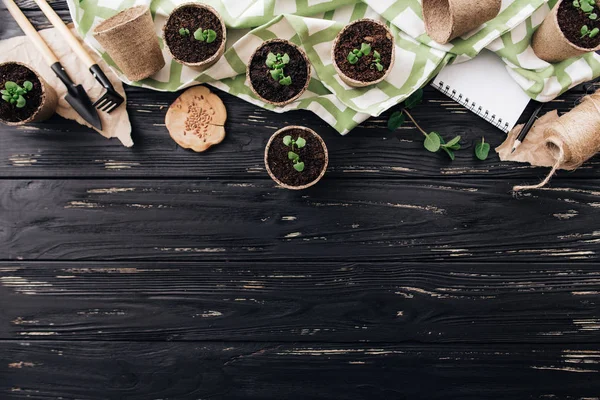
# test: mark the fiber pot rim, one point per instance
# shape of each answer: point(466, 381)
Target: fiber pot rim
point(308, 72)
point(356, 82)
point(555, 20)
point(99, 31)
point(212, 59)
point(48, 94)
point(321, 141)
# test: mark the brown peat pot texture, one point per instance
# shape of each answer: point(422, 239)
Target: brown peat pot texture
point(19, 73)
point(270, 89)
point(570, 21)
point(313, 154)
point(352, 37)
point(186, 48)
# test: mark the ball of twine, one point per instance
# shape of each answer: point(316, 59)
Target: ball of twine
point(573, 138)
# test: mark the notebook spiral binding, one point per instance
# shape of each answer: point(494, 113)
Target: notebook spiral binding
point(472, 106)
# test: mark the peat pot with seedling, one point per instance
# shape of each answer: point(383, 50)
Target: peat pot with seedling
point(571, 29)
point(363, 53)
point(195, 35)
point(296, 157)
point(26, 96)
point(278, 72)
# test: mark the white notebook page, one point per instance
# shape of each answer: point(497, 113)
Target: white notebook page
point(484, 86)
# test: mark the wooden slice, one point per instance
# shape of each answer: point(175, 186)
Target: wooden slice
point(196, 119)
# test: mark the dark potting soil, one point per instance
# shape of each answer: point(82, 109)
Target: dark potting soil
point(187, 48)
point(570, 21)
point(269, 88)
point(352, 38)
point(313, 156)
point(19, 74)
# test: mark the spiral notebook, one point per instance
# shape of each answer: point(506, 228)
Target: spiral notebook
point(483, 86)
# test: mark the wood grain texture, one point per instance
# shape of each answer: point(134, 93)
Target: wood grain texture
point(301, 301)
point(141, 371)
point(349, 220)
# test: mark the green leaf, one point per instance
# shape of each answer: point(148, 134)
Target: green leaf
point(576, 3)
point(584, 30)
point(211, 36)
point(300, 142)
point(376, 55)
point(586, 7)
point(414, 99)
point(4, 92)
point(271, 60)
point(356, 51)
point(285, 59)
point(21, 102)
point(593, 16)
point(293, 156)
point(277, 74)
point(594, 32)
point(287, 140)
point(287, 81)
point(396, 120)
point(453, 142)
point(28, 86)
point(432, 142)
point(482, 149)
point(6, 98)
point(365, 48)
point(184, 31)
point(352, 59)
point(379, 67)
point(199, 35)
point(9, 85)
point(20, 91)
point(449, 152)
point(299, 166)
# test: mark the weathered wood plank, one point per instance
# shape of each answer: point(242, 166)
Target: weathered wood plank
point(64, 148)
point(301, 301)
point(141, 371)
point(335, 220)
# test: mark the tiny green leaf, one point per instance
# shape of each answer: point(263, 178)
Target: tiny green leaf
point(21, 102)
point(184, 31)
point(300, 142)
point(453, 142)
point(586, 7)
point(287, 81)
point(285, 59)
point(287, 140)
point(299, 166)
point(365, 48)
point(277, 74)
point(593, 16)
point(28, 86)
point(4, 92)
point(293, 156)
point(584, 30)
point(376, 55)
point(414, 99)
point(9, 85)
point(379, 67)
point(482, 150)
point(199, 35)
point(6, 98)
point(432, 142)
point(211, 36)
point(396, 120)
point(271, 60)
point(594, 32)
point(352, 59)
point(576, 3)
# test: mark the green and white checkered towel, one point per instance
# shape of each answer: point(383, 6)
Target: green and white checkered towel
point(313, 25)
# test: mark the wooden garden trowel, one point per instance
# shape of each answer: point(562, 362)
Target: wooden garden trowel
point(76, 95)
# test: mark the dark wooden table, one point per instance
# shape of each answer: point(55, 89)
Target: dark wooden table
point(158, 273)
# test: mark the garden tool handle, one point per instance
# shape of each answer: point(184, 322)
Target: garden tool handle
point(30, 31)
point(66, 33)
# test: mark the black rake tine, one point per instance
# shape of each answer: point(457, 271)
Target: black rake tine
point(113, 108)
point(107, 106)
point(101, 101)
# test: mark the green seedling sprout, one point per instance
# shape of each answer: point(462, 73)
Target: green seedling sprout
point(277, 64)
point(376, 63)
point(354, 55)
point(184, 31)
point(482, 149)
point(587, 6)
point(14, 94)
point(205, 35)
point(293, 156)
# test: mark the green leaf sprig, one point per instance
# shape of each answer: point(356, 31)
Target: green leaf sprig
point(205, 35)
point(587, 6)
point(184, 31)
point(15, 94)
point(433, 142)
point(277, 64)
point(356, 54)
point(376, 63)
point(482, 149)
point(585, 31)
point(293, 156)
